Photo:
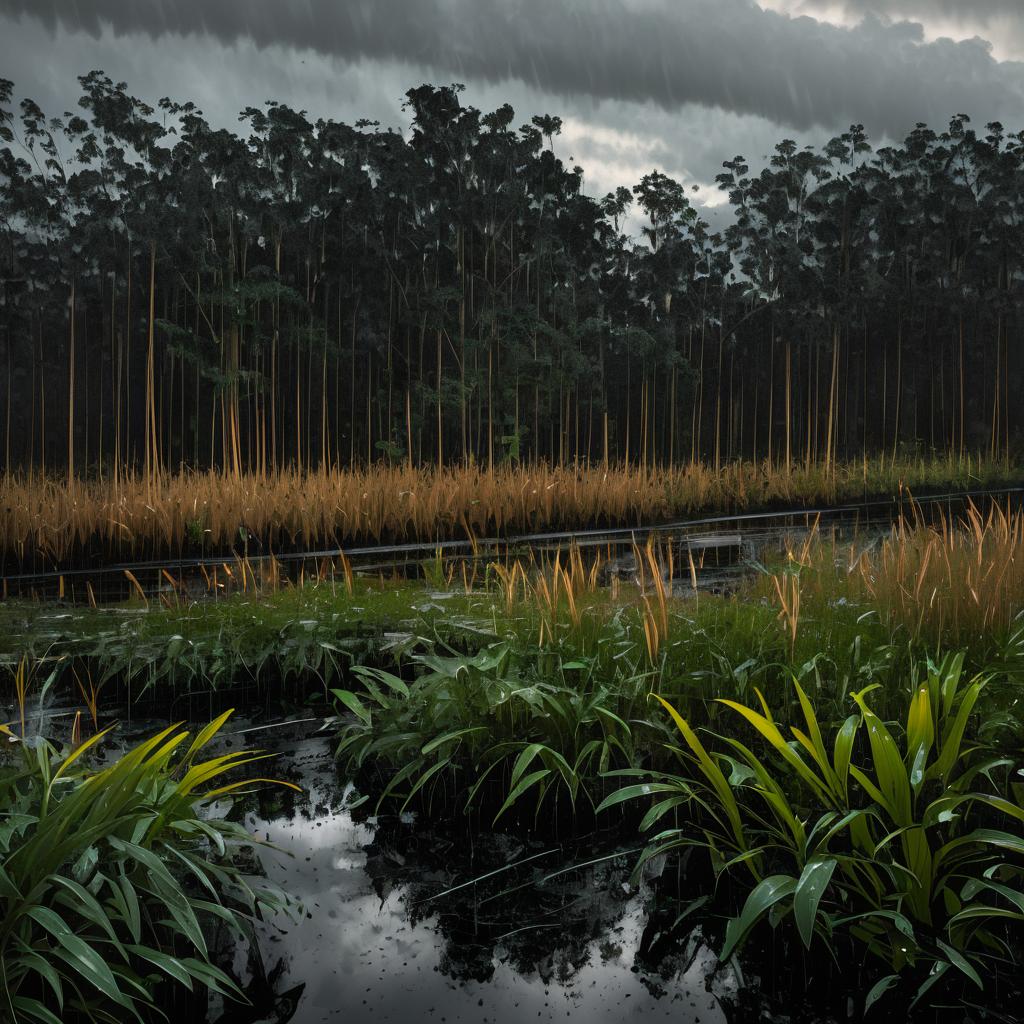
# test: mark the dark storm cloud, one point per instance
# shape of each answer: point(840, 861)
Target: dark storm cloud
point(728, 54)
point(961, 10)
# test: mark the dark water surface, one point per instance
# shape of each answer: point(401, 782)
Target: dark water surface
point(372, 945)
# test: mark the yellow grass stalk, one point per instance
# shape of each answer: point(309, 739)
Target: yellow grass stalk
point(346, 567)
point(136, 586)
point(40, 514)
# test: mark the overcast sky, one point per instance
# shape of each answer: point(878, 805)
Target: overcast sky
point(678, 85)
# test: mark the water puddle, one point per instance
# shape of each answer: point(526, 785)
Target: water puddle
point(541, 940)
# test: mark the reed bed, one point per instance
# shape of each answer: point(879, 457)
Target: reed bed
point(97, 519)
point(955, 581)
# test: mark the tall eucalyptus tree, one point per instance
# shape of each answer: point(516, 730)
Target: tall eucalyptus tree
point(307, 294)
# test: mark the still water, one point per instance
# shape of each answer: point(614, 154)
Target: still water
point(389, 931)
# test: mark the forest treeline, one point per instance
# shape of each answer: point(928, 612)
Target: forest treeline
point(307, 294)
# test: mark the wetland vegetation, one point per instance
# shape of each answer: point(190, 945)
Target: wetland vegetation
point(832, 749)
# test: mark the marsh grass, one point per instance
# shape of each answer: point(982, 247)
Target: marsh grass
point(515, 694)
point(43, 518)
point(832, 626)
point(837, 617)
point(958, 581)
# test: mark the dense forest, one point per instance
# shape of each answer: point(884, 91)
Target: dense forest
point(303, 294)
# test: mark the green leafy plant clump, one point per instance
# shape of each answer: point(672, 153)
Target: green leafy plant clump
point(112, 876)
point(463, 722)
point(907, 836)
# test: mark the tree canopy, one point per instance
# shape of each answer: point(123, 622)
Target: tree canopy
point(316, 293)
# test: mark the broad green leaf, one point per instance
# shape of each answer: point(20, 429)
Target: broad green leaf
point(354, 704)
point(170, 965)
point(920, 735)
point(212, 977)
point(440, 741)
point(814, 880)
point(934, 975)
point(890, 771)
point(433, 770)
point(952, 736)
point(77, 953)
point(40, 965)
point(84, 903)
point(207, 733)
point(33, 1009)
point(81, 749)
point(765, 895)
point(634, 793)
point(712, 773)
point(878, 990)
point(960, 962)
point(526, 756)
point(524, 784)
point(770, 731)
point(843, 750)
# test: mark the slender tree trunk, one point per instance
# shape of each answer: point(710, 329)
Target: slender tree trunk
point(440, 422)
point(152, 449)
point(789, 406)
point(832, 392)
point(899, 387)
point(71, 387)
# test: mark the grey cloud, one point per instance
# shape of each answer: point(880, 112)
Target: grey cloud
point(616, 142)
point(957, 10)
point(728, 54)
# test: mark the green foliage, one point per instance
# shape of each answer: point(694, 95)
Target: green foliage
point(427, 289)
point(463, 722)
point(305, 633)
point(906, 836)
point(112, 876)
point(846, 778)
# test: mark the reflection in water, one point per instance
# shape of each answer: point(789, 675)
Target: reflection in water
point(539, 940)
point(406, 922)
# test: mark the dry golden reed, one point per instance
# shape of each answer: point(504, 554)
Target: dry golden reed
point(955, 580)
point(293, 511)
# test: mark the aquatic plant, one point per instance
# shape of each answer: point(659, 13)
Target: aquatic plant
point(909, 841)
point(112, 875)
point(462, 722)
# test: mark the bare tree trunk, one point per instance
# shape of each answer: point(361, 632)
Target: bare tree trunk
point(152, 450)
point(789, 406)
point(440, 429)
point(71, 388)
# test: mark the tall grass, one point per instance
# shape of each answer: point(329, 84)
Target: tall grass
point(192, 511)
point(957, 582)
point(952, 582)
point(844, 610)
